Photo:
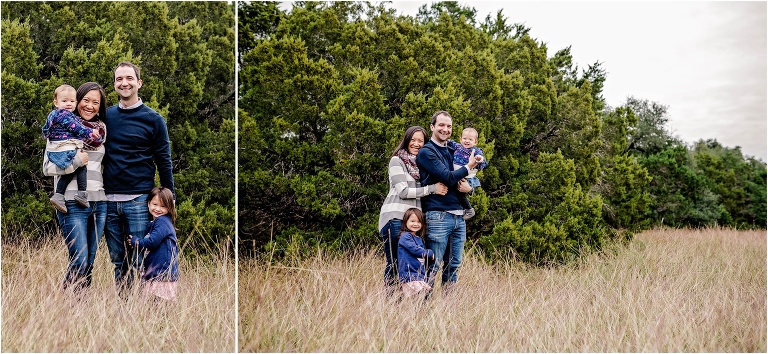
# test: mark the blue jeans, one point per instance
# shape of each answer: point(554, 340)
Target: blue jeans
point(474, 182)
point(123, 219)
point(81, 228)
point(389, 234)
point(446, 234)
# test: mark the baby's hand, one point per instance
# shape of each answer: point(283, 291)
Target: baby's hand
point(95, 135)
point(479, 158)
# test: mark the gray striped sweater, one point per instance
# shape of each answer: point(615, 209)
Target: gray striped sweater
point(95, 187)
point(404, 193)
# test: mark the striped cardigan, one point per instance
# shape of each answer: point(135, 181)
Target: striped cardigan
point(95, 187)
point(404, 193)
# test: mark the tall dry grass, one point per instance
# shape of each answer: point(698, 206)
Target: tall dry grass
point(37, 316)
point(668, 291)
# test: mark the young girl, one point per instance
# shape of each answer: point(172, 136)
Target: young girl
point(161, 264)
point(411, 253)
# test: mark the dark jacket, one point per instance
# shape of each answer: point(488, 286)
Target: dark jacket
point(62, 124)
point(138, 145)
point(436, 165)
point(162, 261)
point(409, 249)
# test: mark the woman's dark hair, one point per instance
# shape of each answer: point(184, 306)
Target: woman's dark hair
point(407, 138)
point(166, 197)
point(420, 216)
point(88, 87)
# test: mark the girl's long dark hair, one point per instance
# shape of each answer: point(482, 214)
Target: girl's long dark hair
point(166, 197)
point(407, 138)
point(420, 216)
point(88, 87)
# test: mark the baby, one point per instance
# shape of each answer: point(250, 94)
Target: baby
point(461, 155)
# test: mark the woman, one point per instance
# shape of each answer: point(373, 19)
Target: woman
point(405, 191)
point(82, 226)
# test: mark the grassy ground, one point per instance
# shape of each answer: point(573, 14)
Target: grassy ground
point(37, 316)
point(669, 291)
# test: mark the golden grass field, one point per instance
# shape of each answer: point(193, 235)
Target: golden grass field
point(668, 291)
point(37, 316)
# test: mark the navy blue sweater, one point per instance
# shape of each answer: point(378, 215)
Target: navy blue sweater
point(162, 261)
point(436, 165)
point(409, 249)
point(138, 145)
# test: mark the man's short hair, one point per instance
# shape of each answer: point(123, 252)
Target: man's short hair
point(437, 114)
point(130, 65)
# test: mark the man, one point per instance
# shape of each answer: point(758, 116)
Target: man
point(446, 228)
point(137, 145)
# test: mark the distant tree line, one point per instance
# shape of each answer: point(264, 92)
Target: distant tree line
point(327, 90)
point(186, 53)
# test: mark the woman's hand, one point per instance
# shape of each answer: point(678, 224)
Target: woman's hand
point(440, 188)
point(464, 186)
point(83, 156)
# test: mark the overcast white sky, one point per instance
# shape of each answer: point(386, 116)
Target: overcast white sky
point(705, 60)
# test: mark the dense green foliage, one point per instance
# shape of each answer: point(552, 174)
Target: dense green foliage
point(187, 56)
point(704, 185)
point(328, 89)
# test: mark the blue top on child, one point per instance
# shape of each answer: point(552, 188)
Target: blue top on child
point(62, 124)
point(461, 157)
point(411, 255)
point(162, 261)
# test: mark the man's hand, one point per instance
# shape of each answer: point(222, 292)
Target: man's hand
point(472, 161)
point(464, 186)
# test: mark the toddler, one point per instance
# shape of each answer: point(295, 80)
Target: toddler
point(461, 155)
point(411, 253)
point(161, 264)
point(66, 133)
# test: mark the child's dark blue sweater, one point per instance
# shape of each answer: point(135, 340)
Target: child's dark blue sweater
point(138, 143)
point(436, 165)
point(62, 124)
point(162, 261)
point(409, 249)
